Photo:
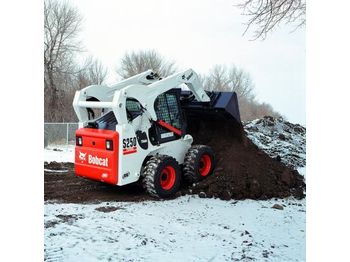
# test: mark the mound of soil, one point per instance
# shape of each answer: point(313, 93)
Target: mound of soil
point(243, 170)
point(279, 139)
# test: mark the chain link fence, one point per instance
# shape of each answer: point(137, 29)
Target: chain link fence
point(59, 133)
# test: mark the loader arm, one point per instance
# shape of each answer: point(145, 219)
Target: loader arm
point(147, 95)
point(145, 88)
point(188, 77)
point(104, 95)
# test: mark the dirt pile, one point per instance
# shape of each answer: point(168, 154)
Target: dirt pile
point(279, 139)
point(243, 170)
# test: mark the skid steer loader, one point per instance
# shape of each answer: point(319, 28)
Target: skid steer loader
point(137, 130)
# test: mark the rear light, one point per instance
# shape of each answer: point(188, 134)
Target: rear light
point(109, 144)
point(79, 141)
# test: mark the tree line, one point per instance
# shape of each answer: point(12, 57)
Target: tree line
point(64, 73)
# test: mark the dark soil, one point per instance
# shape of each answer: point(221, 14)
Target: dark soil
point(66, 187)
point(69, 219)
point(107, 209)
point(243, 171)
point(57, 166)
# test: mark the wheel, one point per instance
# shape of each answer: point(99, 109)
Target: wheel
point(199, 163)
point(161, 176)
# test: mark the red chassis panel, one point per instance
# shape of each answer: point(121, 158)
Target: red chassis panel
point(92, 159)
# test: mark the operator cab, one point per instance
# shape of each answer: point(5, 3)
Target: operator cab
point(171, 123)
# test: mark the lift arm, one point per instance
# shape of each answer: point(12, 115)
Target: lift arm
point(145, 88)
point(147, 95)
point(188, 77)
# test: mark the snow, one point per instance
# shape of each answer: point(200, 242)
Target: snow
point(278, 137)
point(302, 171)
point(188, 228)
point(59, 153)
point(55, 171)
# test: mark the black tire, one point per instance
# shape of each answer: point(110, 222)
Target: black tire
point(161, 176)
point(199, 163)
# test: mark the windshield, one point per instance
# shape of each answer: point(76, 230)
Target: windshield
point(133, 108)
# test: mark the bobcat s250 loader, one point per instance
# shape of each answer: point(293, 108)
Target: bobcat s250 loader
point(137, 129)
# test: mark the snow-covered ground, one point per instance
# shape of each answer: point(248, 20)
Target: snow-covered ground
point(188, 228)
point(185, 229)
point(59, 153)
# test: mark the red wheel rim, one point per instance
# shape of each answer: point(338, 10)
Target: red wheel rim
point(204, 165)
point(167, 177)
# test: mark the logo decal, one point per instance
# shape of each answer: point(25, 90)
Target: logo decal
point(94, 160)
point(82, 156)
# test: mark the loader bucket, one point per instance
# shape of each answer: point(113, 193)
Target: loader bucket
point(208, 122)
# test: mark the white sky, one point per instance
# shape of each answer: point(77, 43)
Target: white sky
point(200, 34)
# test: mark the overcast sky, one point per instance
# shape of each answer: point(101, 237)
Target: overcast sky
point(200, 34)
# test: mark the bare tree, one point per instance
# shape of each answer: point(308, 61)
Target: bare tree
point(217, 79)
point(241, 82)
point(137, 62)
point(221, 78)
point(267, 14)
point(92, 73)
point(61, 27)
point(252, 109)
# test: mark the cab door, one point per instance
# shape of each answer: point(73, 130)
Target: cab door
point(170, 120)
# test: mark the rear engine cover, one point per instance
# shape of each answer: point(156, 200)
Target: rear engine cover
point(92, 159)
